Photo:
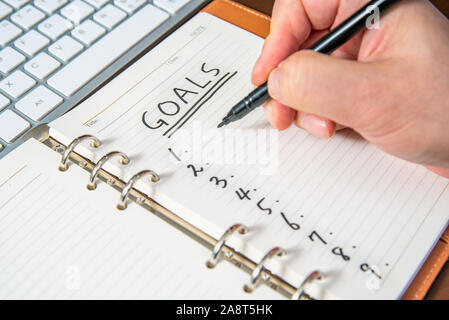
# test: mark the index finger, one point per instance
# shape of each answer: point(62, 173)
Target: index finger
point(290, 27)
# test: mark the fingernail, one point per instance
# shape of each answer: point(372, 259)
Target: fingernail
point(315, 125)
point(269, 112)
point(273, 84)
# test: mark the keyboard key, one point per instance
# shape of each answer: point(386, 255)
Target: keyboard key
point(28, 16)
point(88, 32)
point(129, 5)
point(109, 16)
point(97, 3)
point(55, 26)
point(16, 3)
point(89, 63)
point(4, 102)
point(8, 31)
point(31, 42)
point(4, 10)
point(12, 126)
point(9, 59)
point(17, 84)
point(171, 5)
point(38, 103)
point(42, 65)
point(65, 48)
point(49, 6)
point(76, 11)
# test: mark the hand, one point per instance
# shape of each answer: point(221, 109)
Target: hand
point(391, 84)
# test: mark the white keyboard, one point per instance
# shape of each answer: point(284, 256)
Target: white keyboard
point(53, 53)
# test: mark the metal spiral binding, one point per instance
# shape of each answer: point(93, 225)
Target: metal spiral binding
point(95, 143)
point(93, 175)
point(218, 247)
point(154, 177)
point(257, 272)
point(300, 293)
point(238, 227)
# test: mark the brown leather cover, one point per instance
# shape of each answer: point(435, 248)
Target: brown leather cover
point(429, 271)
point(259, 24)
point(241, 16)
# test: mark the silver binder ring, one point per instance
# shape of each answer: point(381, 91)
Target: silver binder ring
point(255, 276)
point(300, 291)
point(240, 228)
point(93, 175)
point(95, 143)
point(154, 177)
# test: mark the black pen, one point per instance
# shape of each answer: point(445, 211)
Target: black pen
point(326, 45)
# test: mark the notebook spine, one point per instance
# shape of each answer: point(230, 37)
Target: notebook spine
point(220, 250)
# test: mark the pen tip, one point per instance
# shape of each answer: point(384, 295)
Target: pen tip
point(221, 125)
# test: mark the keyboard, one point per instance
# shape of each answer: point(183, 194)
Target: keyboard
point(54, 53)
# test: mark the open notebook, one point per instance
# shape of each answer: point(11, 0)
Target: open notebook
point(364, 219)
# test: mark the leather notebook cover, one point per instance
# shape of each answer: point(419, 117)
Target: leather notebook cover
point(259, 24)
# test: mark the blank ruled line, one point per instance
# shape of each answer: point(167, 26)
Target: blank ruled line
point(31, 218)
point(36, 254)
point(12, 176)
point(30, 195)
point(416, 230)
point(137, 261)
point(80, 240)
point(85, 246)
point(20, 191)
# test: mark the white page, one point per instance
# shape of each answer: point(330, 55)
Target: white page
point(60, 241)
point(383, 213)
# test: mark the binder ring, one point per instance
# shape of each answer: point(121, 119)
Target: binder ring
point(300, 291)
point(240, 228)
point(255, 276)
point(154, 177)
point(95, 143)
point(93, 175)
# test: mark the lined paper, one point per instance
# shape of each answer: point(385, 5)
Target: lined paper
point(363, 217)
point(60, 241)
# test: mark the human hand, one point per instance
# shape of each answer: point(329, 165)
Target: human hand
point(391, 85)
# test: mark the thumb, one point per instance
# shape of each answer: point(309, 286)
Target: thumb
point(327, 86)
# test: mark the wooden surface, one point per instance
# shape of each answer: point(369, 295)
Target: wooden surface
point(440, 289)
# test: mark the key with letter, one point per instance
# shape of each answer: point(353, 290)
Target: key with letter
point(8, 32)
point(31, 42)
point(38, 103)
point(87, 65)
point(12, 126)
point(17, 84)
point(65, 48)
point(9, 59)
point(42, 65)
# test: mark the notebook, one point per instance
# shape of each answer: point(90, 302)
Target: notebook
point(304, 217)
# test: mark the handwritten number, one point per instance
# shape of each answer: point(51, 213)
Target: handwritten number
point(292, 225)
point(243, 194)
point(339, 252)
point(259, 205)
point(366, 267)
point(218, 181)
point(195, 171)
point(314, 233)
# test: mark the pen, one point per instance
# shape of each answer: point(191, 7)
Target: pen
point(330, 42)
